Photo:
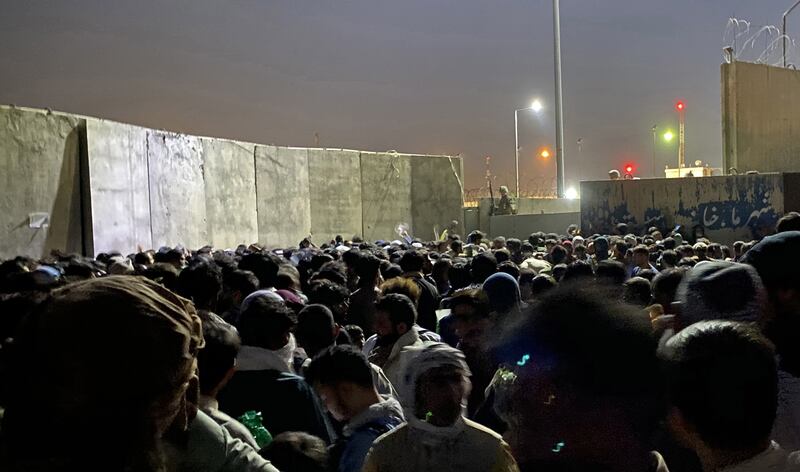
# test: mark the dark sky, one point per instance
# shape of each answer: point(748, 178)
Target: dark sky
point(417, 76)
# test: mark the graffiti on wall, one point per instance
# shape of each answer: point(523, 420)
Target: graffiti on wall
point(750, 208)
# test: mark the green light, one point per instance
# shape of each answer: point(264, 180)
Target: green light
point(668, 136)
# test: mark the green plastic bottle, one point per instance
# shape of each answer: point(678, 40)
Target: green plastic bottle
point(253, 422)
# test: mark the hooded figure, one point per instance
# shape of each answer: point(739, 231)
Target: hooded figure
point(503, 292)
point(437, 437)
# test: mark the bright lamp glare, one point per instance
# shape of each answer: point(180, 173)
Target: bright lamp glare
point(545, 153)
point(668, 136)
point(536, 106)
point(571, 193)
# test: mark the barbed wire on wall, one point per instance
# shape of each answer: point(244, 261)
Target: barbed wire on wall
point(746, 42)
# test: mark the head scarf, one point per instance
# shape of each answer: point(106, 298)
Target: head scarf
point(118, 349)
point(419, 360)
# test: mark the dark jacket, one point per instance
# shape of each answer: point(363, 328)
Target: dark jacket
point(286, 402)
point(428, 301)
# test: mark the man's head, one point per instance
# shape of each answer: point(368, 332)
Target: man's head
point(264, 265)
point(395, 315)
point(316, 330)
point(116, 347)
point(482, 266)
point(641, 256)
point(664, 287)
point(342, 377)
point(720, 290)
point(201, 282)
point(789, 222)
point(613, 174)
point(412, 261)
point(217, 360)
point(368, 270)
point(776, 258)
point(470, 310)
point(636, 292)
point(237, 285)
point(503, 190)
point(436, 385)
point(334, 296)
point(266, 323)
point(586, 375)
point(723, 389)
point(297, 451)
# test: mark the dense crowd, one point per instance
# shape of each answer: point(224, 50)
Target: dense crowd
point(563, 352)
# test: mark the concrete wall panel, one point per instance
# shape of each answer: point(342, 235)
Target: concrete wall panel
point(761, 117)
point(335, 191)
point(230, 192)
point(118, 185)
point(435, 194)
point(727, 208)
point(386, 196)
point(177, 190)
point(284, 212)
point(39, 173)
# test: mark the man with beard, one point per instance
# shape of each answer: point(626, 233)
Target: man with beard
point(394, 320)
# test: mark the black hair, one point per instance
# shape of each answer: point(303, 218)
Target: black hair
point(612, 272)
point(596, 347)
point(264, 265)
point(578, 270)
point(335, 271)
point(723, 379)
point(391, 271)
point(367, 268)
point(558, 254)
point(459, 275)
point(475, 298)
point(242, 281)
point(315, 326)
point(636, 291)
point(325, 292)
point(483, 266)
point(789, 222)
point(222, 344)
point(340, 364)
point(412, 261)
point(297, 451)
point(399, 307)
point(201, 282)
point(265, 321)
point(509, 268)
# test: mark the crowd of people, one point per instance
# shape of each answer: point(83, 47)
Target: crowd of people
point(563, 352)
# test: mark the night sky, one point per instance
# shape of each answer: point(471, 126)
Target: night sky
point(416, 76)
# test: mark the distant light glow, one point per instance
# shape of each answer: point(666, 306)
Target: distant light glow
point(668, 136)
point(629, 169)
point(536, 106)
point(545, 153)
point(680, 106)
point(571, 193)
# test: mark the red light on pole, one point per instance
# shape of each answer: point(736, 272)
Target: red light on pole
point(680, 106)
point(628, 169)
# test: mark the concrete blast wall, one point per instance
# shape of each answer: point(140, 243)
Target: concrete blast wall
point(760, 118)
point(107, 186)
point(39, 173)
point(725, 208)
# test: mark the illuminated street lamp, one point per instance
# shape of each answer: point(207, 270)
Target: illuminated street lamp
point(668, 136)
point(537, 107)
point(545, 153)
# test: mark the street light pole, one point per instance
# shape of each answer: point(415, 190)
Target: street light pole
point(516, 149)
point(559, 102)
point(653, 129)
point(783, 29)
